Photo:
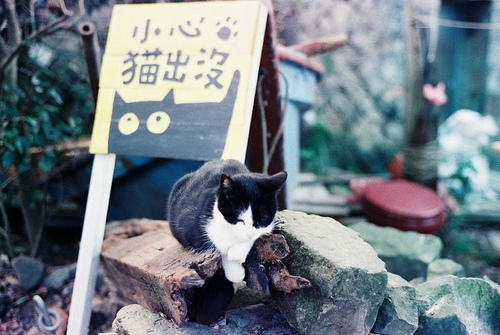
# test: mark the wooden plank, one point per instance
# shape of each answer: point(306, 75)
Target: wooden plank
point(91, 242)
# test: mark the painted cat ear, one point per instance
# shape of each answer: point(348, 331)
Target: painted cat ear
point(118, 99)
point(169, 98)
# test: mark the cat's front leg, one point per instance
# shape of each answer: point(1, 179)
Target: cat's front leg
point(239, 252)
point(233, 260)
point(234, 270)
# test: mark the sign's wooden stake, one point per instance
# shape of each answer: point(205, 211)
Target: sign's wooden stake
point(91, 243)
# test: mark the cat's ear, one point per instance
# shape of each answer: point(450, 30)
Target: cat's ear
point(226, 185)
point(277, 180)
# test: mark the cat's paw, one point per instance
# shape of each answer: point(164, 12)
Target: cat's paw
point(238, 253)
point(235, 272)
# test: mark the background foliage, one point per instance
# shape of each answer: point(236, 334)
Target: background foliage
point(44, 101)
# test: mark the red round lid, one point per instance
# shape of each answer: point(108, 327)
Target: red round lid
point(404, 199)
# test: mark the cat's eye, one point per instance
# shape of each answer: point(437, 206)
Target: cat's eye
point(263, 222)
point(128, 123)
point(158, 122)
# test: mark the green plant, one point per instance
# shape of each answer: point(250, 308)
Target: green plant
point(32, 124)
point(325, 149)
point(37, 109)
point(459, 184)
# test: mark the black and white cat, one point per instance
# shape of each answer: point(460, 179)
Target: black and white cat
point(224, 206)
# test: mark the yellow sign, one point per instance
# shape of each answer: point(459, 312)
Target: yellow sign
point(178, 79)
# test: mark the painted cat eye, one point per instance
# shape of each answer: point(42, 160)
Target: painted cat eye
point(158, 122)
point(128, 123)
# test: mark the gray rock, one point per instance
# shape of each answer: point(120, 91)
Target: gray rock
point(4, 261)
point(452, 305)
point(60, 276)
point(494, 239)
point(493, 284)
point(348, 279)
point(398, 314)
point(137, 320)
point(254, 319)
point(405, 253)
point(28, 271)
point(443, 267)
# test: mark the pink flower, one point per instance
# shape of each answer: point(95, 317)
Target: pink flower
point(435, 94)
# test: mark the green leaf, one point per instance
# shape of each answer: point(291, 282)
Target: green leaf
point(33, 122)
point(56, 96)
point(19, 144)
point(24, 166)
point(7, 159)
point(46, 163)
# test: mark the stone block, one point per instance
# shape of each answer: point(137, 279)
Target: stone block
point(255, 319)
point(443, 267)
point(458, 306)
point(405, 253)
point(398, 314)
point(137, 320)
point(348, 279)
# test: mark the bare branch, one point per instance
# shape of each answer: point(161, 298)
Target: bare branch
point(32, 15)
point(14, 28)
point(14, 38)
point(81, 7)
point(10, 48)
point(45, 30)
point(4, 48)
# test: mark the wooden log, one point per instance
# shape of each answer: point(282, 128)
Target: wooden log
point(148, 266)
point(270, 272)
point(281, 280)
point(271, 247)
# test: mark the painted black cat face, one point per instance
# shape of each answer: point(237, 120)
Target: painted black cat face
point(165, 129)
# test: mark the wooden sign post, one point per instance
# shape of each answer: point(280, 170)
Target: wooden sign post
point(178, 81)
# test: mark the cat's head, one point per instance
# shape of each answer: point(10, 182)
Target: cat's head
point(248, 202)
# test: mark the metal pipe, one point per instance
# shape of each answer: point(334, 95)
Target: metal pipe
point(91, 54)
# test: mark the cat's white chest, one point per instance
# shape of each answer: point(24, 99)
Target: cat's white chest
point(234, 241)
point(225, 235)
